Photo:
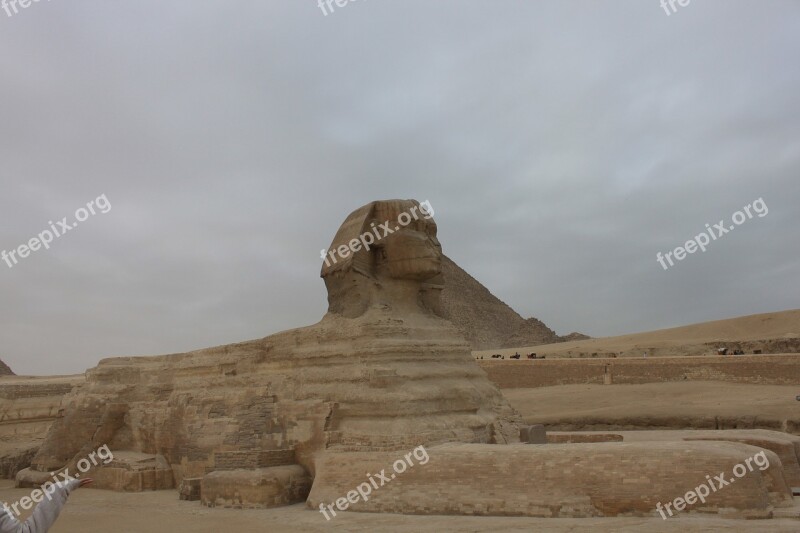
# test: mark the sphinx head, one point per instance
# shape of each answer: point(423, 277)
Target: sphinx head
point(385, 254)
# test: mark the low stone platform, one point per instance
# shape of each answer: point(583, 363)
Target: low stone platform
point(255, 489)
point(134, 472)
point(569, 480)
point(127, 472)
point(786, 446)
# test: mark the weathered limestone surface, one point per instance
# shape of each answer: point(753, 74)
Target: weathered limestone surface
point(256, 489)
point(128, 471)
point(763, 369)
point(535, 434)
point(134, 472)
point(381, 371)
point(568, 437)
point(568, 480)
point(189, 489)
point(28, 405)
point(784, 445)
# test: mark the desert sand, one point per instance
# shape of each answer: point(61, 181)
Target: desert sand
point(101, 511)
point(761, 331)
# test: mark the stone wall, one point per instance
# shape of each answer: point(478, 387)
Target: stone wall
point(28, 406)
point(33, 389)
point(253, 459)
point(255, 489)
point(759, 369)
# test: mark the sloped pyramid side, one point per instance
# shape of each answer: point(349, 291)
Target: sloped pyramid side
point(5, 370)
point(482, 318)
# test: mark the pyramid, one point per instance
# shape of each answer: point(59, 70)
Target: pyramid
point(482, 318)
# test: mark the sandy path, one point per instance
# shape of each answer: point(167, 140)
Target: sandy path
point(99, 511)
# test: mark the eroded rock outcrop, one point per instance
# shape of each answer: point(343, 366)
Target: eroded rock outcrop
point(28, 405)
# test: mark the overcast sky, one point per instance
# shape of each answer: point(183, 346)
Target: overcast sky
point(561, 145)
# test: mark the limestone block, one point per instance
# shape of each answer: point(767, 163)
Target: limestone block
point(256, 489)
point(189, 489)
point(537, 434)
point(571, 480)
point(786, 446)
point(133, 472)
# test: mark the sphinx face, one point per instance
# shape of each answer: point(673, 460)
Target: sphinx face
point(412, 251)
point(413, 254)
point(403, 265)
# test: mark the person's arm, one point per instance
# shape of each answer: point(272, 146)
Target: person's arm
point(45, 513)
point(8, 524)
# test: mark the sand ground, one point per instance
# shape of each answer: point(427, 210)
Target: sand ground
point(683, 340)
point(100, 511)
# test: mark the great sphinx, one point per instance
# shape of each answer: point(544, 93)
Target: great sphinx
point(381, 371)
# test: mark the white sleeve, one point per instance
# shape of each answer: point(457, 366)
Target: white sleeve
point(45, 513)
point(8, 524)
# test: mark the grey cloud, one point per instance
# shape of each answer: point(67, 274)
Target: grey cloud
point(562, 144)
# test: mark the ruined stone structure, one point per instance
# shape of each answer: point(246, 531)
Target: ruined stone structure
point(28, 406)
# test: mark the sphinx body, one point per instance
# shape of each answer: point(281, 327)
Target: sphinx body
point(381, 371)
